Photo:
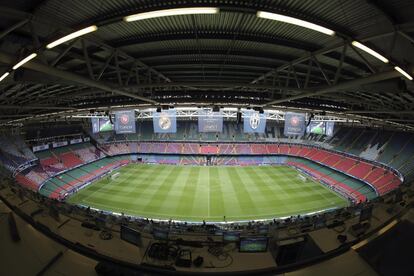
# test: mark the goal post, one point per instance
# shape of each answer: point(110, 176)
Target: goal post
point(302, 178)
point(115, 175)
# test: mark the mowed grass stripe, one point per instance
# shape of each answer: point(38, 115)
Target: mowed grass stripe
point(195, 193)
point(201, 203)
point(127, 198)
point(229, 194)
point(174, 195)
point(245, 201)
point(217, 206)
point(187, 196)
point(161, 193)
point(104, 187)
point(263, 186)
point(132, 199)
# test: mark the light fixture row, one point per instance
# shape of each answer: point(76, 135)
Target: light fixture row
point(208, 10)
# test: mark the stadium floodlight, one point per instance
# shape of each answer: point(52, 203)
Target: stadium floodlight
point(404, 73)
point(4, 76)
point(370, 51)
point(71, 36)
point(294, 21)
point(25, 60)
point(171, 12)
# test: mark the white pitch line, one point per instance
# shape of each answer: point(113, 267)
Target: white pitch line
point(208, 194)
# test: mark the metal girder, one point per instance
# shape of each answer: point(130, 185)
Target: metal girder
point(323, 51)
point(63, 53)
point(14, 27)
point(218, 85)
point(213, 34)
point(24, 107)
point(379, 112)
point(9, 59)
point(341, 86)
point(12, 13)
point(253, 59)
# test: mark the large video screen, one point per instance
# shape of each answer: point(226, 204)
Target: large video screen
point(105, 125)
point(316, 128)
point(321, 128)
point(101, 124)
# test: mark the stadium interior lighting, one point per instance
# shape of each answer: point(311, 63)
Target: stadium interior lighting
point(170, 12)
point(71, 36)
point(4, 76)
point(294, 21)
point(25, 60)
point(402, 72)
point(370, 51)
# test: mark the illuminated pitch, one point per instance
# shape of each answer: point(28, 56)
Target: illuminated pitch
point(197, 193)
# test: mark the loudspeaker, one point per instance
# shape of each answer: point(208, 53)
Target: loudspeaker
point(239, 117)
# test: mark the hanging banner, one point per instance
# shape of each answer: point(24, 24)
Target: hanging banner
point(210, 121)
point(165, 121)
point(125, 121)
point(60, 144)
point(254, 122)
point(40, 147)
point(294, 124)
point(76, 141)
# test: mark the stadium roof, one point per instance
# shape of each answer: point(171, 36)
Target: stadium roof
point(235, 52)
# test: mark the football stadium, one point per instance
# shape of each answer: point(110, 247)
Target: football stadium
point(206, 137)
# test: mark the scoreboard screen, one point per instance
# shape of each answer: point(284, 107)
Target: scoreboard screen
point(101, 125)
point(105, 125)
point(321, 128)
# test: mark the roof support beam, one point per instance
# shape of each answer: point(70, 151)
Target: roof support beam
point(13, 13)
point(379, 112)
point(9, 59)
point(24, 107)
point(341, 86)
point(12, 28)
point(63, 53)
point(219, 85)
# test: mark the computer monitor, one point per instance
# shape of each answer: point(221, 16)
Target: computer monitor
point(130, 235)
point(263, 229)
point(231, 237)
point(160, 234)
point(218, 232)
point(253, 244)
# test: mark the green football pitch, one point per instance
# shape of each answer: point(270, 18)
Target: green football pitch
point(196, 193)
